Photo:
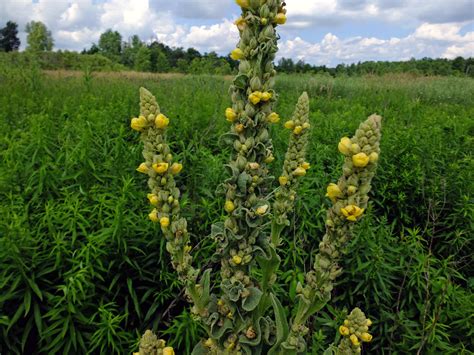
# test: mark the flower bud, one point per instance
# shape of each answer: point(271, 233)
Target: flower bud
point(153, 215)
point(298, 130)
point(266, 96)
point(229, 206)
point(239, 128)
point(333, 192)
point(243, 3)
point(344, 330)
point(373, 157)
point(280, 18)
point(366, 337)
point(255, 97)
point(344, 145)
point(269, 159)
point(351, 190)
point(154, 200)
point(261, 210)
point(289, 124)
point(237, 259)
point(138, 124)
point(165, 222)
point(142, 168)
point(230, 114)
point(237, 54)
point(283, 180)
point(161, 121)
point(299, 171)
point(168, 351)
point(354, 340)
point(360, 160)
point(176, 168)
point(273, 117)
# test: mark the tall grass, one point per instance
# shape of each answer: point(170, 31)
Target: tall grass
point(81, 269)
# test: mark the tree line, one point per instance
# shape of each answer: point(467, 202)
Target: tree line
point(112, 52)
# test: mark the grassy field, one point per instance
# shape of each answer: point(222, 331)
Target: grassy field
point(83, 270)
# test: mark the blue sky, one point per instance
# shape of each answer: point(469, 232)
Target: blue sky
point(320, 32)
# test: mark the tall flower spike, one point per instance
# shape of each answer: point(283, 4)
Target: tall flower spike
point(349, 201)
point(294, 165)
point(354, 331)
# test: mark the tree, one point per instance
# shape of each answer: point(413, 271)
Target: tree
point(110, 44)
point(143, 59)
point(9, 37)
point(39, 38)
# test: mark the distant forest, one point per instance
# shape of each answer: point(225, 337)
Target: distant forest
point(114, 53)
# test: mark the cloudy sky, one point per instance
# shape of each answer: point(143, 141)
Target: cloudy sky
point(318, 31)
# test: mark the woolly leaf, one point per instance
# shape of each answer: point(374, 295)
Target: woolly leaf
point(251, 301)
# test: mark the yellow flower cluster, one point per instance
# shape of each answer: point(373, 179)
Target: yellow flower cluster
point(354, 331)
point(258, 96)
point(297, 129)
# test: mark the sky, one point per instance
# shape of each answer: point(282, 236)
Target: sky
point(320, 32)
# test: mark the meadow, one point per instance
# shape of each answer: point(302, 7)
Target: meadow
point(83, 270)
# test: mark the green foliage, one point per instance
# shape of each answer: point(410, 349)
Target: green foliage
point(79, 272)
point(110, 44)
point(39, 38)
point(9, 40)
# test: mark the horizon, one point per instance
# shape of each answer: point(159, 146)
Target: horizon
point(326, 32)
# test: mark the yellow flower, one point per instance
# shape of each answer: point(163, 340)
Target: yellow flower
point(239, 128)
point(351, 189)
point(283, 180)
point(237, 259)
point(255, 97)
point(165, 222)
point(366, 337)
point(368, 322)
point(273, 117)
point(142, 168)
point(373, 157)
point(298, 130)
point(306, 125)
point(154, 200)
point(168, 351)
point(289, 124)
point(229, 206)
point(209, 343)
point(243, 3)
point(240, 23)
point(153, 215)
point(346, 322)
point(343, 330)
point(266, 96)
point(280, 18)
point(344, 145)
point(160, 168)
point(333, 192)
point(261, 210)
point(305, 165)
point(220, 302)
point(269, 159)
point(176, 168)
point(230, 114)
point(299, 171)
point(254, 166)
point(354, 340)
point(187, 248)
point(161, 121)
point(351, 212)
point(237, 54)
point(138, 123)
point(360, 160)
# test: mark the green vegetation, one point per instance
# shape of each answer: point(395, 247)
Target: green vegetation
point(81, 268)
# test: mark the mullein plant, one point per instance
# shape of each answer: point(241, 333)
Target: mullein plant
point(240, 311)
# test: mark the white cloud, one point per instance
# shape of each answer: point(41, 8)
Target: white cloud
point(435, 27)
point(428, 40)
